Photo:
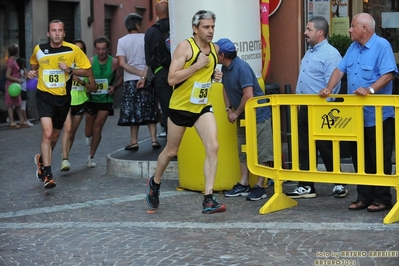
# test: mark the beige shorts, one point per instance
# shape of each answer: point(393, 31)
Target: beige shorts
point(265, 142)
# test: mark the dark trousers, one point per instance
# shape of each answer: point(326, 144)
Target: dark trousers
point(324, 147)
point(377, 194)
point(164, 92)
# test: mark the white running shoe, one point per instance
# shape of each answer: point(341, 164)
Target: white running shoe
point(340, 191)
point(162, 134)
point(304, 192)
point(88, 141)
point(65, 165)
point(91, 163)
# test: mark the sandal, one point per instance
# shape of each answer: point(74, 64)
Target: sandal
point(357, 205)
point(156, 145)
point(378, 207)
point(132, 147)
point(23, 125)
point(13, 126)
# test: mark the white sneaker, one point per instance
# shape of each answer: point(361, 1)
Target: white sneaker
point(88, 141)
point(29, 123)
point(305, 192)
point(162, 134)
point(65, 165)
point(340, 191)
point(91, 163)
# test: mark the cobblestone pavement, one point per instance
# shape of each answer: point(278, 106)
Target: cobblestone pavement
point(94, 219)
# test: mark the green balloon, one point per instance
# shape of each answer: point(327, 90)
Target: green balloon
point(14, 89)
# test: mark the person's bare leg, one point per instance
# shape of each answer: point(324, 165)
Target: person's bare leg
point(23, 112)
point(244, 174)
point(10, 111)
point(152, 127)
point(97, 129)
point(134, 132)
point(261, 181)
point(65, 139)
point(89, 124)
point(174, 137)
point(207, 131)
point(47, 137)
point(19, 113)
point(76, 120)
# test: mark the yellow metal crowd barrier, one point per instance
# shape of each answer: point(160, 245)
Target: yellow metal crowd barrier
point(328, 120)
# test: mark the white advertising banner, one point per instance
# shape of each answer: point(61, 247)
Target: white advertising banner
point(237, 20)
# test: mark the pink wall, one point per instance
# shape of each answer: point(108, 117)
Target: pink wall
point(118, 16)
point(286, 44)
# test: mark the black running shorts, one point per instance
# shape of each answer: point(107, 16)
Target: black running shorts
point(185, 118)
point(92, 108)
point(56, 107)
point(78, 109)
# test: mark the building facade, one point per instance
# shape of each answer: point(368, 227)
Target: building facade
point(25, 22)
point(287, 25)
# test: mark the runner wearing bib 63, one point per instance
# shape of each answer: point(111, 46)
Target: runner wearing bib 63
point(52, 63)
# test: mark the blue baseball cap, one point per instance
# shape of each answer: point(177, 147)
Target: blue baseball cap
point(226, 46)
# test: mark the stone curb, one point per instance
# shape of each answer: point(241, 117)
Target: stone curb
point(138, 169)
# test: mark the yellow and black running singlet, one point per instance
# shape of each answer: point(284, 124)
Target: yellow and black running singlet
point(193, 94)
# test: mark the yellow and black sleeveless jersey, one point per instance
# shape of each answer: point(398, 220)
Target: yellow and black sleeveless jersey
point(51, 78)
point(193, 94)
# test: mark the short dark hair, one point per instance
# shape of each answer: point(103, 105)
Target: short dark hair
point(320, 23)
point(21, 62)
point(13, 49)
point(102, 39)
point(55, 21)
point(81, 42)
point(132, 20)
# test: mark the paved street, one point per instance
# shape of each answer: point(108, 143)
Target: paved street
point(92, 218)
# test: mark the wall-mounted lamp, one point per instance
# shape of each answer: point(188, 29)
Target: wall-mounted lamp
point(90, 18)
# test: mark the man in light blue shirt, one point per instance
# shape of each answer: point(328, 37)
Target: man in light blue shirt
point(370, 67)
point(316, 68)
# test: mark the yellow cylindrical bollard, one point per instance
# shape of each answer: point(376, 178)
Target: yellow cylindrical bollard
point(192, 153)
